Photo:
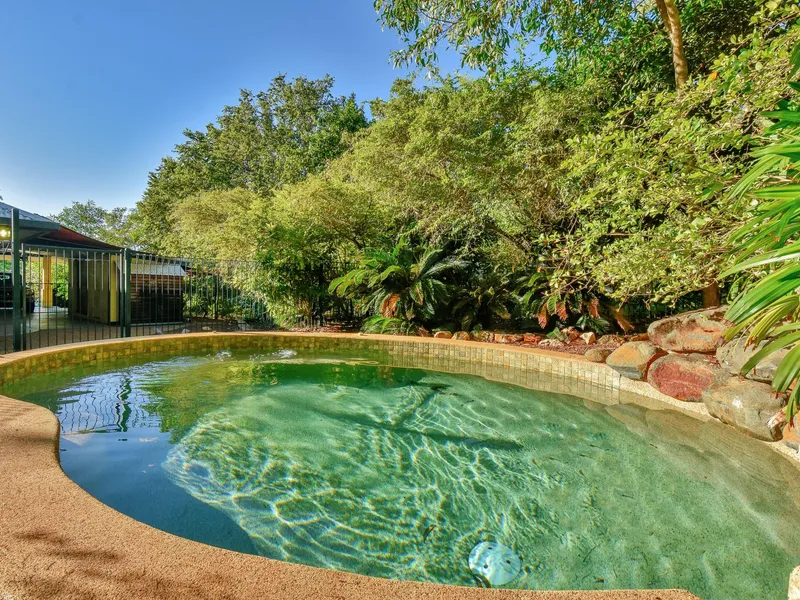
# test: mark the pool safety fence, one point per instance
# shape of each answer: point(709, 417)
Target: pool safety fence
point(53, 294)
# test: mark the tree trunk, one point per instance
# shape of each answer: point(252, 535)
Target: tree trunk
point(672, 23)
point(711, 296)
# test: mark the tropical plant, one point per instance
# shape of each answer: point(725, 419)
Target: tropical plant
point(403, 289)
point(588, 311)
point(769, 249)
point(487, 299)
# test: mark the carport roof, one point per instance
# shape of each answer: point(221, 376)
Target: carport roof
point(36, 229)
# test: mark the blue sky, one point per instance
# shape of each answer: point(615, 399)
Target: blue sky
point(94, 93)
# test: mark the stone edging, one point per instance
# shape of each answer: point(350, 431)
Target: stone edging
point(57, 541)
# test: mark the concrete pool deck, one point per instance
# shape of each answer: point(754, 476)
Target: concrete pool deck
point(57, 541)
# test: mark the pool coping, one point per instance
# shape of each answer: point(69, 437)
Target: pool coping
point(57, 541)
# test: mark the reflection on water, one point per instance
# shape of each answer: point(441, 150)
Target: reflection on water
point(399, 473)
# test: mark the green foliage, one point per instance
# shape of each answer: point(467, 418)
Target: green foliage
point(215, 224)
point(486, 299)
point(768, 247)
point(403, 288)
point(647, 197)
point(269, 139)
point(623, 43)
point(118, 226)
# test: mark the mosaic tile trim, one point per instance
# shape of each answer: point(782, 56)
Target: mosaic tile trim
point(532, 369)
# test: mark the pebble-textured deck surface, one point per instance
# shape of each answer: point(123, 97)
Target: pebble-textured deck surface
point(58, 542)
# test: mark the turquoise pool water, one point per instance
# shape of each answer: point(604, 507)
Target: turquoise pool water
point(341, 462)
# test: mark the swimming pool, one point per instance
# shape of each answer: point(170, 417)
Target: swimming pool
point(337, 459)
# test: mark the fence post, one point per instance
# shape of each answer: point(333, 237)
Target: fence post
point(17, 291)
point(125, 309)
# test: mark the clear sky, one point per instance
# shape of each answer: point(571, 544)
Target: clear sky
point(94, 92)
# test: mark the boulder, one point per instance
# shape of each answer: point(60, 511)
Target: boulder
point(479, 335)
point(684, 376)
point(794, 584)
point(747, 405)
point(531, 338)
point(588, 337)
point(735, 353)
point(597, 355)
point(443, 335)
point(697, 331)
point(422, 332)
point(508, 338)
point(552, 344)
point(461, 335)
point(611, 340)
point(632, 359)
point(640, 337)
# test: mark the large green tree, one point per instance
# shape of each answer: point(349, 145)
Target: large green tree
point(269, 139)
point(633, 42)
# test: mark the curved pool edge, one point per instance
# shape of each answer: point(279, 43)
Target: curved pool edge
point(57, 541)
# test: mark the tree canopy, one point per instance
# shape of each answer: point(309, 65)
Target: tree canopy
point(269, 139)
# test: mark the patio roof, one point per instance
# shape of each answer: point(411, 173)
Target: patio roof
point(67, 238)
point(36, 229)
point(30, 223)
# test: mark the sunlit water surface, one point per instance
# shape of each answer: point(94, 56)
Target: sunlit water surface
point(336, 461)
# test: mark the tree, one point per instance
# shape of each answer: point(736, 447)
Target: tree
point(215, 224)
point(269, 139)
point(119, 226)
point(598, 33)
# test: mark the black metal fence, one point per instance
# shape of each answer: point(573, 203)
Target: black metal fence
point(54, 295)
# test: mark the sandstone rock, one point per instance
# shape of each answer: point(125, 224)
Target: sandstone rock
point(778, 420)
point(794, 584)
point(640, 337)
point(531, 338)
point(552, 344)
point(632, 359)
point(588, 337)
point(747, 405)
point(508, 338)
point(791, 437)
point(734, 354)
point(461, 335)
point(443, 335)
point(684, 376)
point(422, 332)
point(698, 331)
point(611, 340)
point(480, 335)
point(570, 333)
point(597, 355)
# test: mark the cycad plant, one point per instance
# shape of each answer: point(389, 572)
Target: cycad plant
point(537, 300)
point(486, 300)
point(769, 250)
point(402, 288)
